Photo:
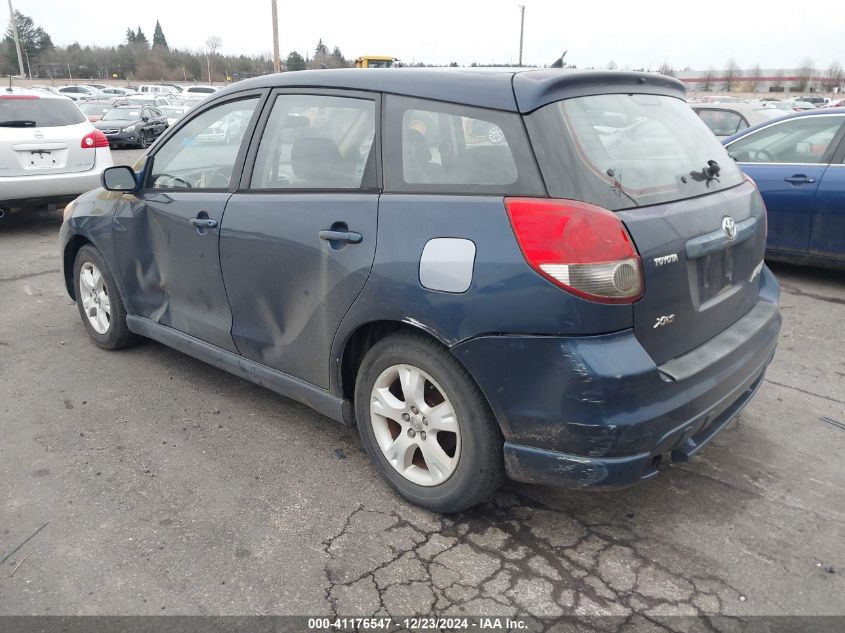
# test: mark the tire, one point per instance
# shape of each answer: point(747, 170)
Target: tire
point(143, 142)
point(115, 334)
point(474, 470)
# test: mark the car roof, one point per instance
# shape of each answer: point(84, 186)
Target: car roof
point(793, 115)
point(730, 105)
point(515, 90)
point(33, 92)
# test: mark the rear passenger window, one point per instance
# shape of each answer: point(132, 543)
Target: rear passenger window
point(317, 142)
point(441, 147)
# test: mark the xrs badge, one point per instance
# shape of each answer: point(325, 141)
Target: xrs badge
point(666, 319)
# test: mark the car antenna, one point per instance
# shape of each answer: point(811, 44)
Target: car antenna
point(558, 63)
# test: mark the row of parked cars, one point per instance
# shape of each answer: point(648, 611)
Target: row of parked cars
point(82, 92)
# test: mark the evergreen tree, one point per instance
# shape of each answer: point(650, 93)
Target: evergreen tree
point(321, 52)
point(141, 39)
point(295, 61)
point(130, 37)
point(159, 41)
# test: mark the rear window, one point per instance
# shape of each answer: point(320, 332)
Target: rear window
point(39, 113)
point(448, 148)
point(626, 150)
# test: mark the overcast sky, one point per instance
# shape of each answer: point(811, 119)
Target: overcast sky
point(696, 33)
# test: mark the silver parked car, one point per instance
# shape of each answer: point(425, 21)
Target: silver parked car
point(49, 151)
point(727, 118)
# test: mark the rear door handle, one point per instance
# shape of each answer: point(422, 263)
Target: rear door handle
point(351, 237)
point(203, 223)
point(800, 179)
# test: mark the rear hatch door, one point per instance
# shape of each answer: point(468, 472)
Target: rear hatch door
point(697, 223)
point(42, 136)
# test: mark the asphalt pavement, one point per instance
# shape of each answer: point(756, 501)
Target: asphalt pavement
point(156, 484)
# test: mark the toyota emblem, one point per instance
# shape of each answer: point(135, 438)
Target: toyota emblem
point(729, 227)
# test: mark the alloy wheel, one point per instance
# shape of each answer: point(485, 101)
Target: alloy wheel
point(94, 297)
point(415, 425)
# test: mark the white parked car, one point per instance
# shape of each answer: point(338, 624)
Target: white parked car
point(199, 90)
point(115, 91)
point(144, 99)
point(49, 151)
point(81, 92)
point(156, 89)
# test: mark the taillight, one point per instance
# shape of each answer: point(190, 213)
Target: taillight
point(94, 139)
point(580, 247)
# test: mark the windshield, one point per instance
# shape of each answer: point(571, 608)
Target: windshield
point(37, 112)
point(626, 150)
point(122, 114)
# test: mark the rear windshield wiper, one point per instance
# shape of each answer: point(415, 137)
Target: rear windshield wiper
point(617, 187)
point(709, 173)
point(17, 123)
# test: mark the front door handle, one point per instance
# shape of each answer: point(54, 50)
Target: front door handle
point(350, 237)
point(800, 179)
point(203, 223)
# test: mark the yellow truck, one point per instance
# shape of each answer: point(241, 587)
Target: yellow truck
point(374, 61)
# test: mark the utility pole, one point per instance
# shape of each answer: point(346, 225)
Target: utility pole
point(14, 24)
point(521, 29)
point(277, 62)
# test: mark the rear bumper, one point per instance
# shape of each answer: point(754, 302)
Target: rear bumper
point(597, 411)
point(29, 190)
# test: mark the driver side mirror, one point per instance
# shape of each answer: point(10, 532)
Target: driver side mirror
point(120, 178)
point(145, 119)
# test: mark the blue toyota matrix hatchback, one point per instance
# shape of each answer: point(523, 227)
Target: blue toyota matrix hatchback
point(551, 275)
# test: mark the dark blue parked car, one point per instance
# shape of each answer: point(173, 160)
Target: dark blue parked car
point(552, 275)
point(798, 162)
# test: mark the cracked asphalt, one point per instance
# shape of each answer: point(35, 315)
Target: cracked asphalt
point(165, 486)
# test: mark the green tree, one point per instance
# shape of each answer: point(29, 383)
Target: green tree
point(34, 41)
point(336, 59)
point(159, 41)
point(321, 52)
point(141, 39)
point(295, 61)
point(130, 37)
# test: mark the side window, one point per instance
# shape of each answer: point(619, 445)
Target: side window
point(203, 152)
point(722, 122)
point(447, 148)
point(317, 142)
point(801, 140)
